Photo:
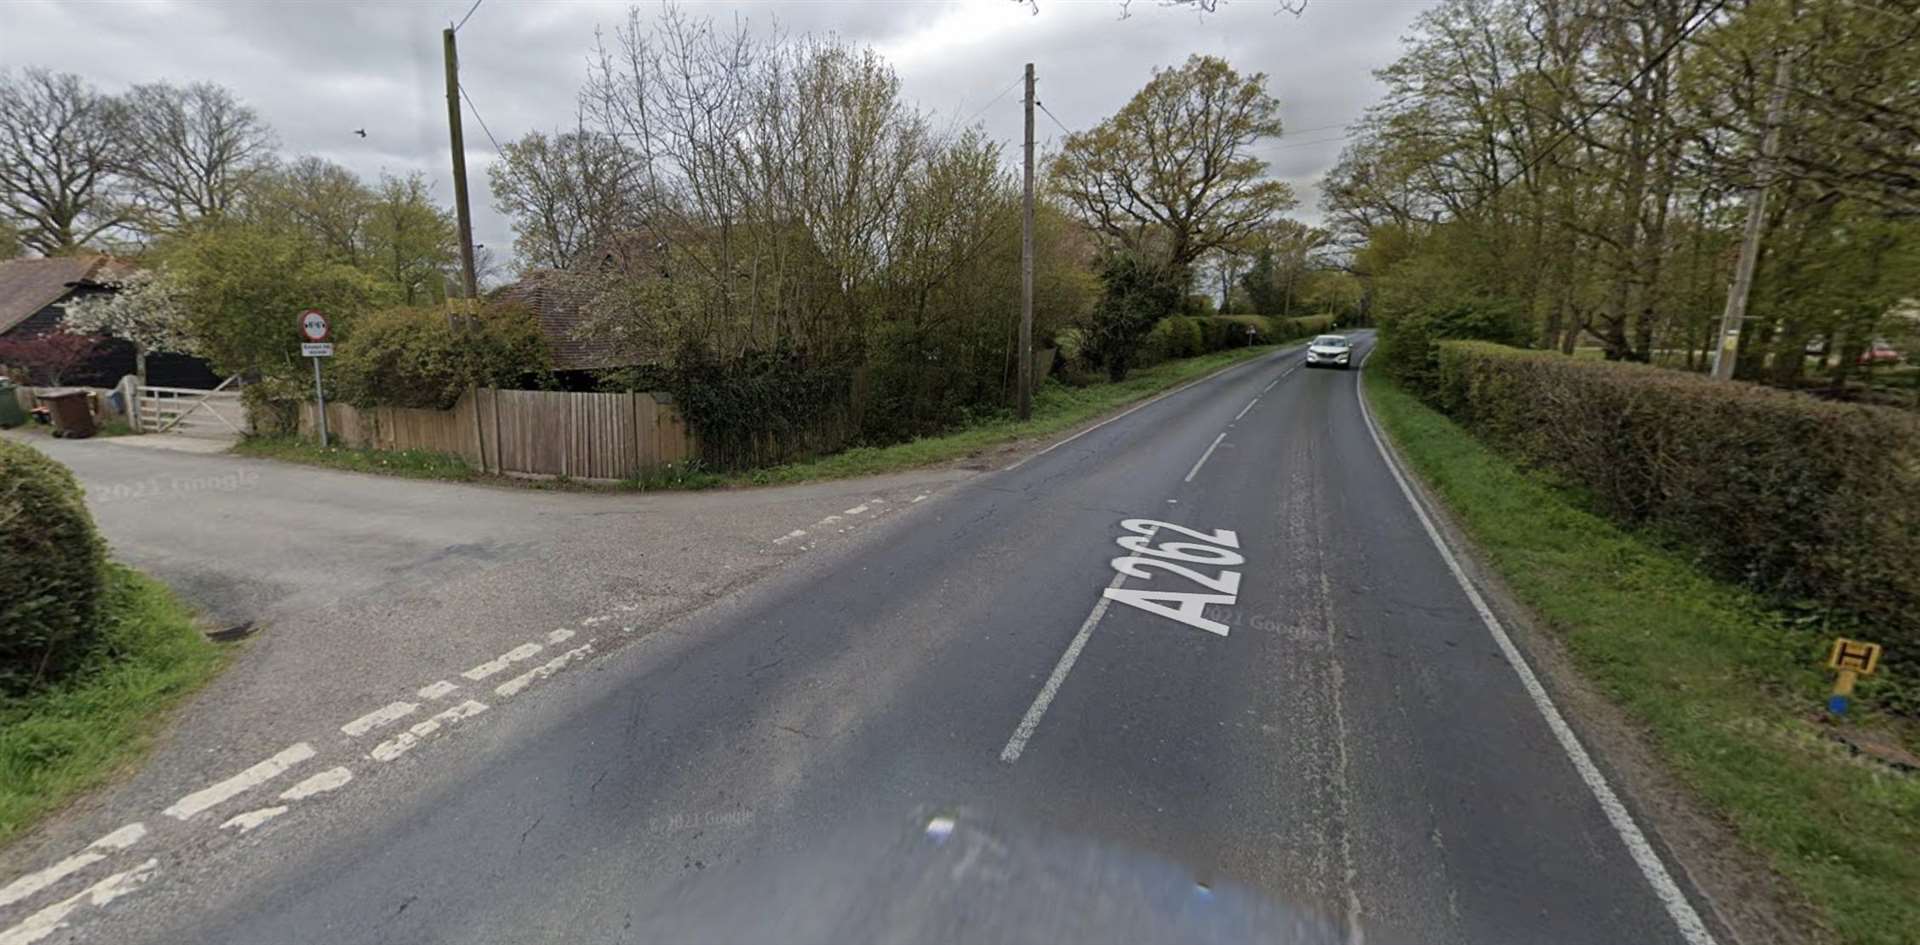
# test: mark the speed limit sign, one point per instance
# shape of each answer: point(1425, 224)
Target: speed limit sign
point(314, 327)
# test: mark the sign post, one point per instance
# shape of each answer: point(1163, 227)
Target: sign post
point(316, 343)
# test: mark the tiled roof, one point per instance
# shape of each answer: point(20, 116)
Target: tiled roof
point(29, 285)
point(560, 300)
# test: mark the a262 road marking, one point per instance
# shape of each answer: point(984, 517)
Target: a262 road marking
point(1217, 549)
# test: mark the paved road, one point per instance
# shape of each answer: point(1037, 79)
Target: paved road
point(946, 731)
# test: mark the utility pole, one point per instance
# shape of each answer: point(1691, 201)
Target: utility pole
point(459, 164)
point(1026, 268)
point(1736, 312)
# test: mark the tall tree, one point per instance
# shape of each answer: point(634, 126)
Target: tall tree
point(57, 155)
point(566, 193)
point(318, 197)
point(411, 241)
point(188, 152)
point(1172, 175)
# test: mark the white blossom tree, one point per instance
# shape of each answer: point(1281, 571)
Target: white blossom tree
point(146, 309)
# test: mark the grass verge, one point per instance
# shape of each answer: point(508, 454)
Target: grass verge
point(411, 464)
point(1728, 690)
point(61, 741)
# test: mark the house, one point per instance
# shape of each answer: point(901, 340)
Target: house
point(34, 295)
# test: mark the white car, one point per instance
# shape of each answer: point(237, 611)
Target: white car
point(1330, 351)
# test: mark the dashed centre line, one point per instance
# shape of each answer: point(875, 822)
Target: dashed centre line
point(436, 690)
point(253, 818)
point(1243, 410)
point(513, 686)
point(328, 780)
point(1202, 461)
point(405, 741)
point(391, 712)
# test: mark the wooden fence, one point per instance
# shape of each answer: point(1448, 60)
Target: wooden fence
point(526, 432)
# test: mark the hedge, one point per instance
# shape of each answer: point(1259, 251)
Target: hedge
point(51, 571)
point(1814, 503)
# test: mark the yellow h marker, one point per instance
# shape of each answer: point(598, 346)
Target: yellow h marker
point(1852, 659)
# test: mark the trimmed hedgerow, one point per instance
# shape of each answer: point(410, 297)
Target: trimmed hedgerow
point(1813, 503)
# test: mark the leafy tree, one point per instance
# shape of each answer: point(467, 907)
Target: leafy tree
point(1139, 293)
point(57, 156)
point(411, 242)
point(1171, 175)
point(318, 198)
point(244, 285)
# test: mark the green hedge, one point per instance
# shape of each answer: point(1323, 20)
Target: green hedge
point(1816, 504)
point(51, 573)
point(415, 357)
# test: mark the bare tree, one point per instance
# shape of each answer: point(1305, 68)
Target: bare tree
point(188, 152)
point(57, 155)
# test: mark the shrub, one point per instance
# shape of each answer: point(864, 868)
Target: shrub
point(1271, 330)
point(51, 573)
point(1816, 504)
point(413, 357)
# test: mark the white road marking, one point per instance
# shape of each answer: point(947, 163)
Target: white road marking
point(255, 776)
point(796, 533)
point(918, 498)
point(328, 780)
point(1031, 721)
point(391, 712)
point(253, 818)
point(562, 635)
point(53, 918)
point(505, 660)
point(593, 621)
point(1243, 410)
point(1139, 406)
point(402, 743)
point(1202, 461)
point(528, 678)
point(95, 852)
point(829, 520)
point(1270, 383)
point(433, 691)
point(1664, 888)
point(856, 510)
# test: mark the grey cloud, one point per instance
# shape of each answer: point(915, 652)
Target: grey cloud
point(317, 71)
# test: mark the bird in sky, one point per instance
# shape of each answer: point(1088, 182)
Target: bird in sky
point(362, 132)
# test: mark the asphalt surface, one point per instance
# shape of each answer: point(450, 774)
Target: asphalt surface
point(836, 754)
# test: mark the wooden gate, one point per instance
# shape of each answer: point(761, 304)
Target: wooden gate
point(215, 413)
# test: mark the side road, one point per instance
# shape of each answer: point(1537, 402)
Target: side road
point(357, 585)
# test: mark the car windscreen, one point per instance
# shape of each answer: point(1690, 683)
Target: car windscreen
point(1336, 341)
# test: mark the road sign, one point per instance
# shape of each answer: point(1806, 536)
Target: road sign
point(314, 327)
point(316, 349)
point(1852, 659)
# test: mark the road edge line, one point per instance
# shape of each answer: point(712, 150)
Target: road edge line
point(1150, 401)
point(1688, 922)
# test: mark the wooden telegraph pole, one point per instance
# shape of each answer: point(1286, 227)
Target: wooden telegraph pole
point(459, 164)
point(1735, 315)
point(1026, 268)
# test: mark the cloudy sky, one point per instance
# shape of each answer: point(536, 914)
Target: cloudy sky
point(316, 70)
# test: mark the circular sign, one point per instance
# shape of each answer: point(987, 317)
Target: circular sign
point(313, 326)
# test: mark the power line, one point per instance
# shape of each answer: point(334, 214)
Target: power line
point(497, 149)
point(464, 19)
point(995, 100)
point(1043, 107)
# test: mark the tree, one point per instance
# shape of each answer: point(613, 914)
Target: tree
point(188, 152)
point(9, 242)
point(49, 356)
point(147, 309)
point(1139, 292)
point(566, 194)
point(318, 198)
point(411, 242)
point(243, 284)
point(1171, 176)
point(57, 155)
